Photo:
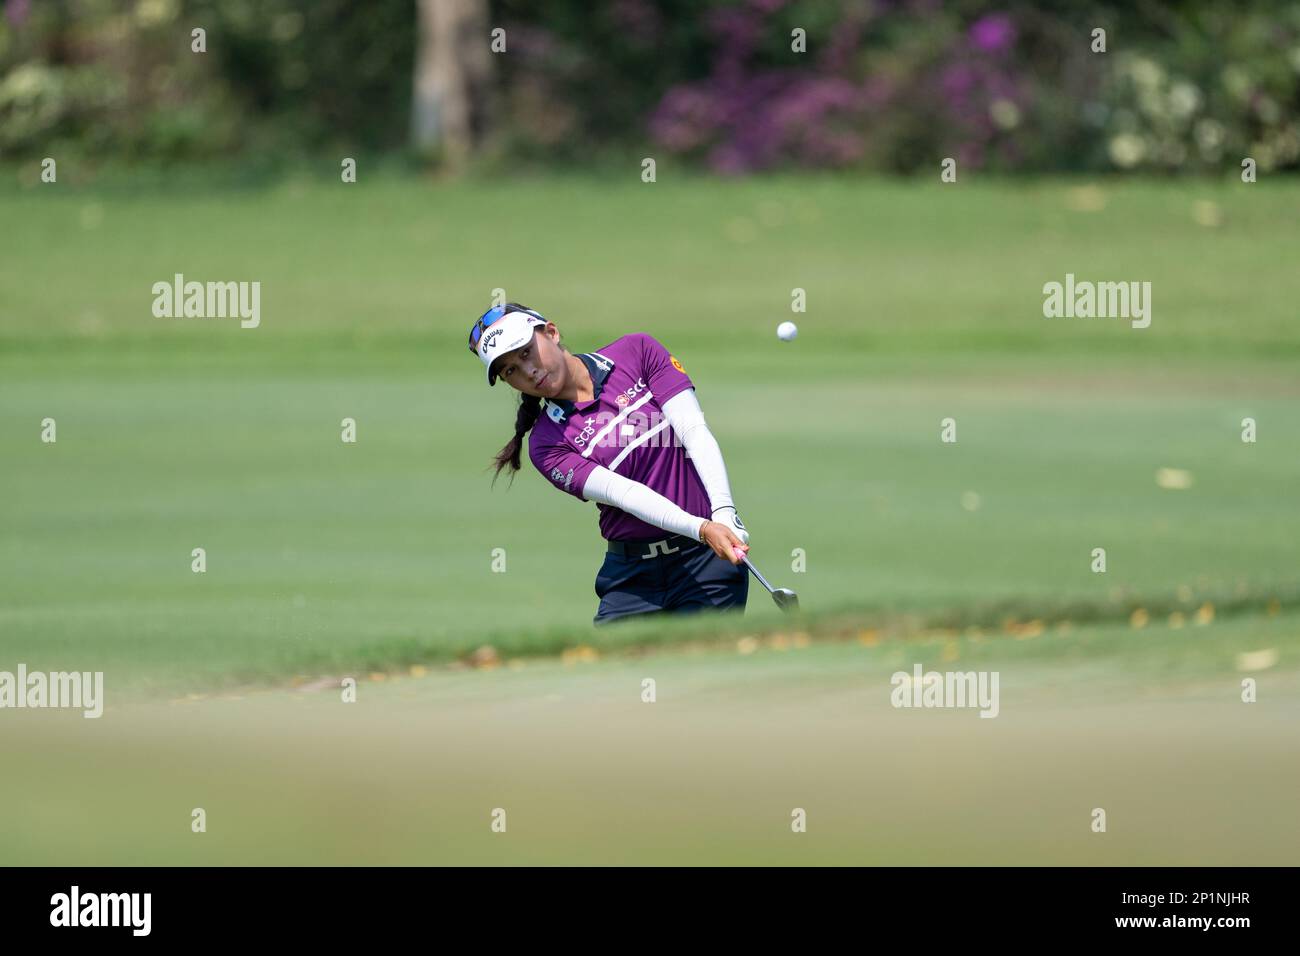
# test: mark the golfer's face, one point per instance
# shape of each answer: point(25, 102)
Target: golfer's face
point(535, 368)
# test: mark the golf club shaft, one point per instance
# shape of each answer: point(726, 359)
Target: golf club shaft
point(761, 580)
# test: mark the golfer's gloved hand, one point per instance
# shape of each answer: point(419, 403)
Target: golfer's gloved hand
point(732, 520)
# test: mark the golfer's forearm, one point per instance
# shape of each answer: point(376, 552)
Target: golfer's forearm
point(641, 502)
point(687, 419)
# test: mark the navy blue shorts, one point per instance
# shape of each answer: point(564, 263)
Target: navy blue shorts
point(690, 578)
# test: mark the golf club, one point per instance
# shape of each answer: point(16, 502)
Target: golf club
point(785, 599)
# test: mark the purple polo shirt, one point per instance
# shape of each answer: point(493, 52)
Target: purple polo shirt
point(624, 429)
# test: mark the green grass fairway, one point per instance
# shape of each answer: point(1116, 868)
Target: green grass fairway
point(924, 303)
point(322, 554)
point(325, 559)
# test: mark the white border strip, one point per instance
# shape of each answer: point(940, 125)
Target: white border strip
point(640, 440)
point(600, 435)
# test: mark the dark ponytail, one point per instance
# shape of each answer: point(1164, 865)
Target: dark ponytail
point(530, 407)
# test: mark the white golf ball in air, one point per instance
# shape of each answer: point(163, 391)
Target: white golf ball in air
point(786, 331)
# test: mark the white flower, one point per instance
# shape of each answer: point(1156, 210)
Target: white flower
point(1209, 134)
point(1209, 137)
point(1184, 99)
point(1005, 114)
point(1145, 73)
point(25, 83)
point(1127, 150)
point(150, 13)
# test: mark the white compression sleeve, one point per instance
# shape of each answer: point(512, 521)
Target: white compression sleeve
point(640, 501)
point(687, 419)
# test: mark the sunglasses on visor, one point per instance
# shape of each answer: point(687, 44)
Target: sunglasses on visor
point(488, 318)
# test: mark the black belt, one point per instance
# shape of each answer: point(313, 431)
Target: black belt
point(650, 549)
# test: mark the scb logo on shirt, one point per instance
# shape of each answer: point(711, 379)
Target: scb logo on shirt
point(588, 430)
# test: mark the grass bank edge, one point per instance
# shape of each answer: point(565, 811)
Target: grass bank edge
point(1007, 624)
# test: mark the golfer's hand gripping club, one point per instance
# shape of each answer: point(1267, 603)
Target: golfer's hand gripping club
point(723, 541)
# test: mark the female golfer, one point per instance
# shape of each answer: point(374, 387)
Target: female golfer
point(615, 426)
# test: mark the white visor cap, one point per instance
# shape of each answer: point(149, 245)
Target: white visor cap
point(512, 330)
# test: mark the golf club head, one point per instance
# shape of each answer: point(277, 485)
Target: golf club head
point(785, 599)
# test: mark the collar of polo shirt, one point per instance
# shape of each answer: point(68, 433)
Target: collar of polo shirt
point(599, 368)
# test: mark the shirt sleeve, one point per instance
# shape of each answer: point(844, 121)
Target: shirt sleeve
point(663, 373)
point(563, 467)
point(641, 502)
point(687, 420)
